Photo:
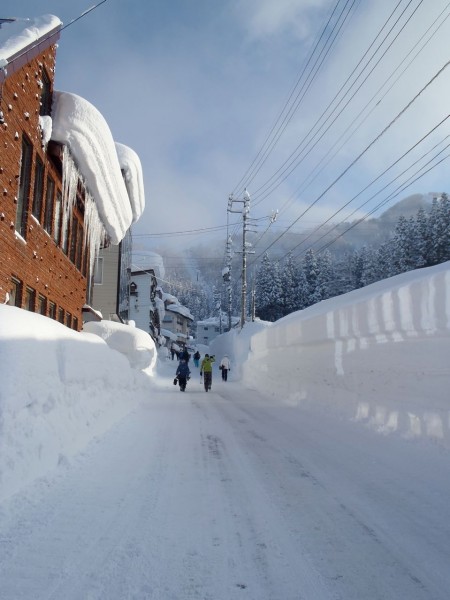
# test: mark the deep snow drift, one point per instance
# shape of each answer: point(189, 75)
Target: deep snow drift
point(61, 388)
point(378, 355)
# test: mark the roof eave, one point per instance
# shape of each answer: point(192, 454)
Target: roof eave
point(18, 60)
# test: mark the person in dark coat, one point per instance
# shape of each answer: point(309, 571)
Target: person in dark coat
point(185, 355)
point(197, 356)
point(183, 374)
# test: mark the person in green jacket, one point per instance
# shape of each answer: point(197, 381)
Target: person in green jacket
point(206, 370)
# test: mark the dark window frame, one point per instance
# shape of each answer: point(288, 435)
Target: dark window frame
point(38, 192)
point(46, 95)
point(30, 299)
point(49, 205)
point(23, 194)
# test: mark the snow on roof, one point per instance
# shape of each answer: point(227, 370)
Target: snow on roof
point(18, 34)
point(169, 334)
point(215, 320)
point(169, 298)
point(181, 310)
point(131, 166)
point(146, 259)
point(79, 125)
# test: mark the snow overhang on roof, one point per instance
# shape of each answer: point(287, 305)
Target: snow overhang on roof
point(80, 126)
point(181, 310)
point(134, 181)
point(23, 39)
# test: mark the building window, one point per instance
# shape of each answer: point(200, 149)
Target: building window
point(30, 299)
point(24, 187)
point(58, 218)
point(49, 205)
point(38, 195)
point(98, 270)
point(42, 305)
point(75, 323)
point(68, 320)
point(15, 298)
point(61, 315)
point(205, 328)
point(46, 95)
point(52, 310)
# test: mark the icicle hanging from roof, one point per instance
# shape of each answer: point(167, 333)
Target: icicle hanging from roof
point(70, 177)
point(94, 231)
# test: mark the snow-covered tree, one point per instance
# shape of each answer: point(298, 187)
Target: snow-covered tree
point(325, 276)
point(291, 294)
point(311, 275)
point(268, 290)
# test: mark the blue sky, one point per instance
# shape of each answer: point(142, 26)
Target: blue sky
point(194, 86)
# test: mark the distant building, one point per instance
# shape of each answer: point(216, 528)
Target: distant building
point(208, 329)
point(143, 305)
point(176, 320)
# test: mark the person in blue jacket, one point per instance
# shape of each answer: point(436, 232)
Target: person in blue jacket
point(183, 374)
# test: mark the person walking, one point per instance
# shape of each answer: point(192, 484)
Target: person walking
point(225, 367)
point(183, 373)
point(206, 371)
point(197, 358)
point(185, 355)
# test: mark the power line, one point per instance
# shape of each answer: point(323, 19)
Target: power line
point(304, 186)
point(377, 178)
point(50, 35)
point(305, 88)
point(296, 158)
point(325, 246)
point(362, 153)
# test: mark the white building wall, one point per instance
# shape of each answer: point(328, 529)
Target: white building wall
point(140, 305)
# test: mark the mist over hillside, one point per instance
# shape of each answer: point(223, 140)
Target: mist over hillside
point(196, 268)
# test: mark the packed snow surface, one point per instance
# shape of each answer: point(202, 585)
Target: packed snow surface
point(116, 485)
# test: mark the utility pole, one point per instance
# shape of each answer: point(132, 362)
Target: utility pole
point(245, 245)
point(226, 275)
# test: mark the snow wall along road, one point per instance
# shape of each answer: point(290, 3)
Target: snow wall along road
point(379, 355)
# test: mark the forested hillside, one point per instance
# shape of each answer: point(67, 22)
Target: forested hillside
point(331, 261)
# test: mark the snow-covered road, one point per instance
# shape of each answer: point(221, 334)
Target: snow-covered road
point(223, 496)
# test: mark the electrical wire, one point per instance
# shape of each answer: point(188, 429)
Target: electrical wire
point(296, 158)
point(391, 166)
point(298, 101)
point(353, 225)
point(305, 184)
point(362, 153)
point(240, 182)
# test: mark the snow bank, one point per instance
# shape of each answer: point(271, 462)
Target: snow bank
point(236, 345)
point(379, 355)
point(79, 125)
point(59, 390)
point(137, 345)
